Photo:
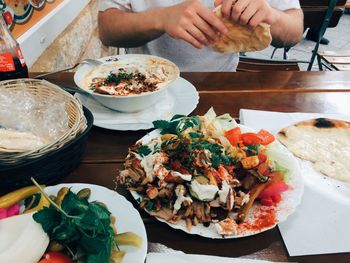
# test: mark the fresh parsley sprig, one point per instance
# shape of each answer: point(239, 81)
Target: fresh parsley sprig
point(177, 124)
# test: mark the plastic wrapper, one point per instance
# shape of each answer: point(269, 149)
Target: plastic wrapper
point(22, 111)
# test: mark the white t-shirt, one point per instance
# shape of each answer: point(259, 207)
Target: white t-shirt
point(187, 57)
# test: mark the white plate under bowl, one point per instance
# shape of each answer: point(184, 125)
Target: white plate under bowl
point(127, 217)
point(290, 199)
point(180, 98)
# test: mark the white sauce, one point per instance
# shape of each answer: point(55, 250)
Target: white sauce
point(181, 198)
point(224, 192)
point(204, 191)
point(185, 177)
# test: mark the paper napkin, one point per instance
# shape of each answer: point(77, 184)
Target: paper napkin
point(321, 223)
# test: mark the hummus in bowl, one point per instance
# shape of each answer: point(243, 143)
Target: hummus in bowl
point(127, 83)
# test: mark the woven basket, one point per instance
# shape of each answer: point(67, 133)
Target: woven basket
point(42, 90)
point(49, 168)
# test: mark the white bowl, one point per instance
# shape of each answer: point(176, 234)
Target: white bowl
point(129, 103)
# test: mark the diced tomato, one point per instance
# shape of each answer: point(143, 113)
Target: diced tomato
point(267, 201)
point(271, 195)
point(262, 157)
point(266, 137)
point(55, 257)
point(263, 169)
point(234, 136)
point(250, 138)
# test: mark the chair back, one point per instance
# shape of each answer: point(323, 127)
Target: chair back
point(315, 12)
point(256, 65)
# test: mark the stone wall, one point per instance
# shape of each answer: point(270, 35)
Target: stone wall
point(78, 41)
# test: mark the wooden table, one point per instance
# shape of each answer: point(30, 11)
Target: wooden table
point(325, 92)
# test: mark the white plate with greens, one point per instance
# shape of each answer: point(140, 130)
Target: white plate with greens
point(127, 217)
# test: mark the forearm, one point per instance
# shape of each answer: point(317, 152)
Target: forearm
point(287, 29)
point(124, 29)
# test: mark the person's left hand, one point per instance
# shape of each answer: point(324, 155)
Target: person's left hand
point(247, 12)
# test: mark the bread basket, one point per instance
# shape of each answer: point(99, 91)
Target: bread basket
point(43, 90)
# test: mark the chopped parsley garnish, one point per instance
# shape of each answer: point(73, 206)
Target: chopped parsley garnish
point(113, 78)
point(144, 150)
point(177, 124)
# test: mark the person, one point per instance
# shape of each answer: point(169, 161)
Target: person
point(182, 31)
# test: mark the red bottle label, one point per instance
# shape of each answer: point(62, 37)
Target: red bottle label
point(20, 56)
point(6, 62)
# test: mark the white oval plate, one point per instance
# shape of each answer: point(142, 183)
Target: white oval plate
point(180, 98)
point(127, 217)
point(290, 199)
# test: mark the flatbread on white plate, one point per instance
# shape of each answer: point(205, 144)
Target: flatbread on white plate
point(242, 38)
point(324, 142)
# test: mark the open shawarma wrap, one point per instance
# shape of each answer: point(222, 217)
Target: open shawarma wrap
point(242, 38)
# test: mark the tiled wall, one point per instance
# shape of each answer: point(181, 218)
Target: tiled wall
point(78, 41)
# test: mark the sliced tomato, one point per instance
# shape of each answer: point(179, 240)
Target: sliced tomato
point(234, 136)
point(271, 195)
point(55, 257)
point(250, 138)
point(266, 137)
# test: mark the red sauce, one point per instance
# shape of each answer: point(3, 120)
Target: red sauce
point(264, 217)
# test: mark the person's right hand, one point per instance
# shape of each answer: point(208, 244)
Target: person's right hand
point(193, 22)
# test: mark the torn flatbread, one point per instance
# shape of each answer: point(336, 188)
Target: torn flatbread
point(324, 142)
point(14, 141)
point(242, 38)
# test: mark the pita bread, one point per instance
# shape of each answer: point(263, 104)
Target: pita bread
point(324, 142)
point(242, 38)
point(14, 141)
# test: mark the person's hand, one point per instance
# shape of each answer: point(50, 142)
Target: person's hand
point(247, 12)
point(193, 22)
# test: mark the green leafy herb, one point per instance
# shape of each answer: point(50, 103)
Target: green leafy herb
point(113, 78)
point(81, 225)
point(252, 149)
point(195, 135)
point(177, 117)
point(177, 124)
point(144, 150)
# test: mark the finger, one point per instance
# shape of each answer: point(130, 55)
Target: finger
point(217, 3)
point(198, 35)
point(226, 8)
point(238, 8)
point(247, 14)
point(190, 39)
point(206, 29)
point(256, 19)
point(211, 19)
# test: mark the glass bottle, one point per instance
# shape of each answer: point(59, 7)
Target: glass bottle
point(12, 64)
